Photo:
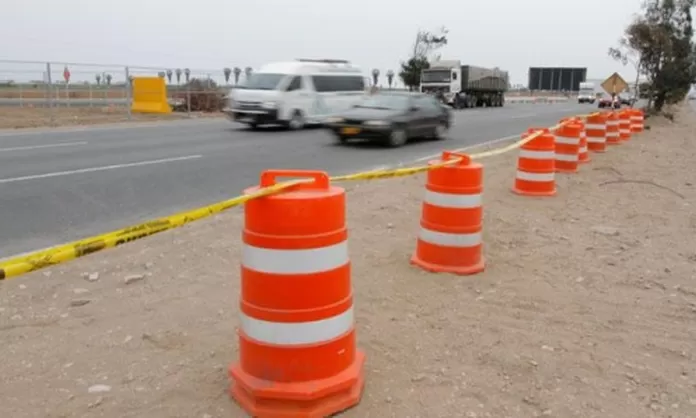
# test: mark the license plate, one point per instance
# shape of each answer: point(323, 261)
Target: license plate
point(350, 131)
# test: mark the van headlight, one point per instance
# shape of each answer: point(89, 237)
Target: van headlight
point(269, 105)
point(377, 123)
point(333, 120)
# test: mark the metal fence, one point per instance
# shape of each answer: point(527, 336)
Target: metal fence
point(33, 92)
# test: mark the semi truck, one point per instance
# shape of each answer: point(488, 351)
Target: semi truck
point(465, 86)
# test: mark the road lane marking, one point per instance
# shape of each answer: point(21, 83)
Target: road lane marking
point(30, 147)
point(94, 169)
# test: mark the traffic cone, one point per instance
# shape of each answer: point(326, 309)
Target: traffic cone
point(613, 129)
point(450, 238)
point(624, 125)
point(536, 165)
point(596, 130)
point(636, 121)
point(297, 343)
point(567, 145)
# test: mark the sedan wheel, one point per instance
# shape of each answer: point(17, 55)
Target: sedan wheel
point(440, 131)
point(397, 138)
point(297, 121)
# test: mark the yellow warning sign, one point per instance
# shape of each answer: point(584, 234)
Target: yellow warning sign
point(150, 95)
point(614, 84)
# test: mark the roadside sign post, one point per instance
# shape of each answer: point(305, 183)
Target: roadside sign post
point(66, 77)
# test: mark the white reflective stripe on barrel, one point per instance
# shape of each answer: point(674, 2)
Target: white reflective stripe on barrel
point(593, 126)
point(536, 155)
point(583, 149)
point(315, 260)
point(567, 157)
point(296, 333)
point(450, 240)
point(523, 175)
point(458, 201)
point(596, 140)
point(566, 140)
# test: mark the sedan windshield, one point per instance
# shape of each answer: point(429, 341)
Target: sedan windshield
point(262, 81)
point(385, 101)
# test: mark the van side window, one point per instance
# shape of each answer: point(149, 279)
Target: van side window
point(295, 84)
point(338, 83)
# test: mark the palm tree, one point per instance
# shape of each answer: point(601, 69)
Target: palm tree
point(375, 76)
point(237, 72)
point(390, 78)
point(98, 78)
point(108, 79)
point(227, 71)
point(187, 75)
point(169, 76)
point(178, 75)
point(248, 71)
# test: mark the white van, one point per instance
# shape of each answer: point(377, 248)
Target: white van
point(296, 93)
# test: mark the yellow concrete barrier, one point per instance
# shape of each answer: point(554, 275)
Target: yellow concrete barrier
point(150, 95)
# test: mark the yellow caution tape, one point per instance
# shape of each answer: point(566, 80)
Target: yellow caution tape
point(17, 266)
point(27, 263)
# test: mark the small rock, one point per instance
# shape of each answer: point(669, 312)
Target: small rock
point(547, 412)
point(79, 302)
point(92, 277)
point(580, 279)
point(667, 270)
point(390, 226)
point(130, 279)
point(96, 403)
point(533, 363)
point(99, 389)
point(149, 265)
point(605, 230)
point(388, 399)
point(47, 273)
point(418, 378)
point(80, 291)
point(22, 286)
point(127, 339)
point(547, 348)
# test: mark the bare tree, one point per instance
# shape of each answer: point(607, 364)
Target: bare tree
point(187, 74)
point(98, 78)
point(390, 78)
point(178, 75)
point(169, 76)
point(237, 73)
point(227, 71)
point(375, 76)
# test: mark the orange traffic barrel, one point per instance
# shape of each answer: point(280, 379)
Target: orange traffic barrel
point(613, 129)
point(567, 144)
point(297, 342)
point(636, 121)
point(536, 165)
point(624, 125)
point(583, 155)
point(450, 238)
point(596, 131)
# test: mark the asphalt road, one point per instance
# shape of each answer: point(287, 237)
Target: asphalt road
point(61, 185)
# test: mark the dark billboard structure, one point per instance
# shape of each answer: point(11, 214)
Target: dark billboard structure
point(556, 78)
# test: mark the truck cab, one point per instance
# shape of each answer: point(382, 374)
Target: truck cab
point(464, 86)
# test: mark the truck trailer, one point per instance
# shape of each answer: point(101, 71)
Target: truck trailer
point(465, 86)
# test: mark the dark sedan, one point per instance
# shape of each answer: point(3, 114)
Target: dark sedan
point(392, 118)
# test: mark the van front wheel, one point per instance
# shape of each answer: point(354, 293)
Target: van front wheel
point(297, 121)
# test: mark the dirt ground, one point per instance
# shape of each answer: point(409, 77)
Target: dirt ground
point(34, 117)
point(587, 307)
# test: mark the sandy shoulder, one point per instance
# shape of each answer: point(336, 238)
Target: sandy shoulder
point(587, 307)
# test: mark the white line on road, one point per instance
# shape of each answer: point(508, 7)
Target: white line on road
point(29, 147)
point(93, 169)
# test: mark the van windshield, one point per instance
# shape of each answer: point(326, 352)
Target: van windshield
point(262, 81)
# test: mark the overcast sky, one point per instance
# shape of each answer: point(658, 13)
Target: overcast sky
point(207, 35)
